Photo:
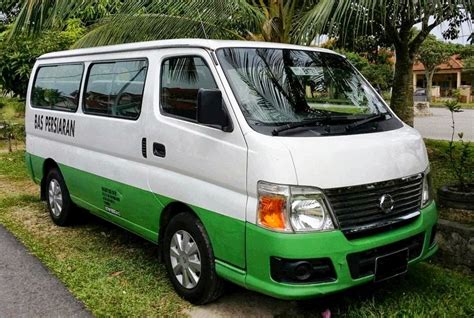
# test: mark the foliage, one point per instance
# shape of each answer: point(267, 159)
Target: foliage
point(18, 55)
point(295, 21)
point(8, 11)
point(434, 52)
point(11, 131)
point(467, 55)
point(96, 10)
point(459, 153)
point(351, 19)
point(12, 127)
point(440, 104)
point(356, 59)
point(379, 73)
point(355, 18)
point(150, 19)
point(16, 105)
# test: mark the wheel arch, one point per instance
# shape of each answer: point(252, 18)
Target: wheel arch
point(47, 166)
point(168, 212)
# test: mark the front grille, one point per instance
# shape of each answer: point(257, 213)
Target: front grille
point(357, 208)
point(363, 263)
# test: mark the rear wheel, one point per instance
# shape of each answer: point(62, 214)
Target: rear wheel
point(190, 261)
point(59, 202)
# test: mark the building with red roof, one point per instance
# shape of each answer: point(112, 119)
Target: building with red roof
point(448, 77)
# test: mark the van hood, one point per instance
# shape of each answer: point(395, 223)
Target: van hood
point(340, 161)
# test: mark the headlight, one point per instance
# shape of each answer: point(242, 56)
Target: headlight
point(427, 195)
point(292, 208)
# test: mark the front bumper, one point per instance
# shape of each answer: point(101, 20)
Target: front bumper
point(263, 244)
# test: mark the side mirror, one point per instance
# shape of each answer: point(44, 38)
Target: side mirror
point(211, 111)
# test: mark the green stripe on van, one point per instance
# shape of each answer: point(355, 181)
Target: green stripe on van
point(139, 211)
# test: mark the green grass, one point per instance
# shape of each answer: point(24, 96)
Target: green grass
point(115, 273)
point(426, 291)
point(463, 105)
point(13, 165)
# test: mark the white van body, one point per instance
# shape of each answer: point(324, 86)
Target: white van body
point(138, 172)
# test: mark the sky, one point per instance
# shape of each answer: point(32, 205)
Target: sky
point(466, 29)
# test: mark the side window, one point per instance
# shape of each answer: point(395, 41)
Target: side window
point(57, 87)
point(115, 89)
point(181, 78)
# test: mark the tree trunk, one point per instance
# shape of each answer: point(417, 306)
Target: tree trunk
point(429, 85)
point(402, 90)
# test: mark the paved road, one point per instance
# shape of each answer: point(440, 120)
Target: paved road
point(27, 289)
point(438, 126)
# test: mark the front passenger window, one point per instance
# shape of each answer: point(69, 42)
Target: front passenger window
point(181, 78)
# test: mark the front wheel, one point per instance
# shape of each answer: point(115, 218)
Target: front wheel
point(190, 261)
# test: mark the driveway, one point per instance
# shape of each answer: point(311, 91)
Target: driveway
point(28, 289)
point(438, 126)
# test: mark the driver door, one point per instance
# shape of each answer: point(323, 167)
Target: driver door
point(201, 166)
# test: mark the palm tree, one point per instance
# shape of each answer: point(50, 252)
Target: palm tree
point(267, 20)
point(292, 21)
point(396, 19)
point(142, 20)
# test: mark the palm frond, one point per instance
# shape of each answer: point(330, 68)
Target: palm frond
point(363, 17)
point(152, 27)
point(138, 20)
point(40, 15)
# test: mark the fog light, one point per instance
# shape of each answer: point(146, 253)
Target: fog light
point(302, 270)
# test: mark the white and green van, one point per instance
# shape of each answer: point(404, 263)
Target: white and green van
point(273, 166)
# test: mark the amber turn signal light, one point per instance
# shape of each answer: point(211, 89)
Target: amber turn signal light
point(271, 212)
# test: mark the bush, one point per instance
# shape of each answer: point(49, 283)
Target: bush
point(459, 153)
point(8, 104)
point(379, 73)
point(17, 55)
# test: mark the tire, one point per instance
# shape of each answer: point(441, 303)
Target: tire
point(208, 286)
point(451, 197)
point(60, 206)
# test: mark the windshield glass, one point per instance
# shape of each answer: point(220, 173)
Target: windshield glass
point(281, 86)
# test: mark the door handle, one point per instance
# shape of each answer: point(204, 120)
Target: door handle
point(144, 147)
point(159, 150)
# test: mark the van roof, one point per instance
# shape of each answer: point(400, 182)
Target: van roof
point(197, 43)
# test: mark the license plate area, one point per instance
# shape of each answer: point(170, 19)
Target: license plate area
point(391, 265)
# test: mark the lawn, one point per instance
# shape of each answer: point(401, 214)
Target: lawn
point(117, 274)
point(113, 272)
point(463, 105)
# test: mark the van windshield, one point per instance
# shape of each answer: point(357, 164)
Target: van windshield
point(299, 90)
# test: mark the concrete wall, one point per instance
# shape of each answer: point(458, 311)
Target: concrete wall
point(456, 243)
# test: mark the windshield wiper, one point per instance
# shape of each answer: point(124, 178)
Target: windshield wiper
point(307, 122)
point(364, 121)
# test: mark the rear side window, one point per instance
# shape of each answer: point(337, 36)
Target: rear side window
point(57, 87)
point(115, 89)
point(181, 78)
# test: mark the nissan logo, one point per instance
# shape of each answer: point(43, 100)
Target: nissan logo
point(386, 203)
